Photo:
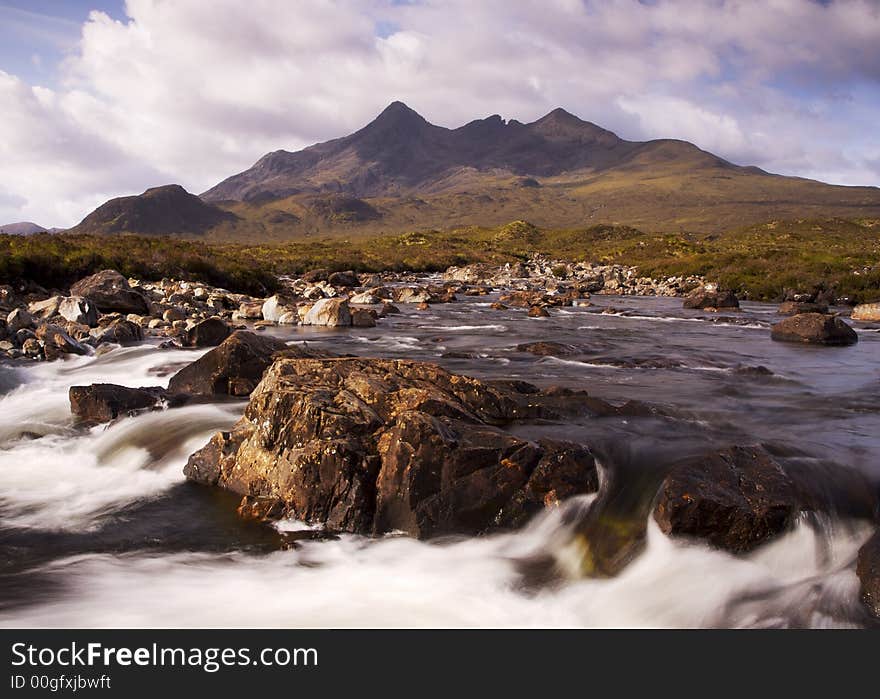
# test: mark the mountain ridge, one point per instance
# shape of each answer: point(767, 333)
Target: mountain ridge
point(401, 173)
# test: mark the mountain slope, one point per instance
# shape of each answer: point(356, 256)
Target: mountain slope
point(164, 210)
point(21, 228)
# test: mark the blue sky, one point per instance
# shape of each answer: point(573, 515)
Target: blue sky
point(103, 98)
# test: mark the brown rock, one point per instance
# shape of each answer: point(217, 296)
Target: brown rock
point(547, 349)
point(709, 297)
point(103, 402)
point(736, 499)
point(233, 368)
point(538, 312)
point(111, 292)
point(793, 308)
point(57, 343)
point(867, 311)
point(207, 333)
point(814, 328)
point(372, 446)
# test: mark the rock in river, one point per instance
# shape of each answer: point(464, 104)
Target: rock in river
point(736, 499)
point(331, 312)
point(233, 368)
point(710, 297)
point(376, 445)
point(867, 311)
point(814, 328)
point(207, 333)
point(103, 402)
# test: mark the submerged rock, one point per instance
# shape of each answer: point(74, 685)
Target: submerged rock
point(814, 328)
point(547, 349)
point(111, 292)
point(373, 446)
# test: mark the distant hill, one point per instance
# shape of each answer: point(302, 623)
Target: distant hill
point(21, 228)
point(401, 173)
point(165, 210)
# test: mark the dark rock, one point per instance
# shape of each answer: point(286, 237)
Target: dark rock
point(233, 368)
point(388, 309)
point(707, 297)
point(372, 446)
point(345, 279)
point(736, 499)
point(316, 275)
point(103, 402)
point(868, 570)
point(814, 328)
point(363, 318)
point(207, 333)
point(111, 292)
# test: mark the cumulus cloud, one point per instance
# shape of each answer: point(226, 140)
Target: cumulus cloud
point(191, 92)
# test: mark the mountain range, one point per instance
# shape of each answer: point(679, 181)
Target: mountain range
point(402, 173)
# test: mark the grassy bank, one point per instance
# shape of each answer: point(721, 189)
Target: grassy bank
point(760, 261)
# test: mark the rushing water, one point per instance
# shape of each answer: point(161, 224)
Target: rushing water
point(98, 527)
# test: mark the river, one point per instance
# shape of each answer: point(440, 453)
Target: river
point(99, 528)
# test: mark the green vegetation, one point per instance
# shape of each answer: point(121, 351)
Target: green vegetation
point(760, 261)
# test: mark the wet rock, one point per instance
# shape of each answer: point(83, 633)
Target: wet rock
point(497, 306)
point(423, 306)
point(207, 333)
point(367, 298)
point(19, 319)
point(868, 570)
point(77, 309)
point(709, 297)
point(363, 318)
point(120, 331)
point(547, 349)
point(333, 312)
point(345, 279)
point(103, 402)
point(736, 499)
point(388, 309)
point(793, 308)
point(538, 312)
point(233, 368)
point(111, 292)
point(372, 446)
point(867, 312)
point(814, 328)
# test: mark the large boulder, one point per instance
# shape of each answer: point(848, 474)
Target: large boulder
point(45, 308)
point(814, 328)
point(103, 402)
point(77, 309)
point(735, 499)
point(867, 311)
point(111, 293)
point(207, 333)
point(277, 306)
point(234, 368)
point(329, 312)
point(710, 297)
point(411, 294)
point(374, 445)
point(868, 570)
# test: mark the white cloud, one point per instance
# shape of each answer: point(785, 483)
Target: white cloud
point(191, 92)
